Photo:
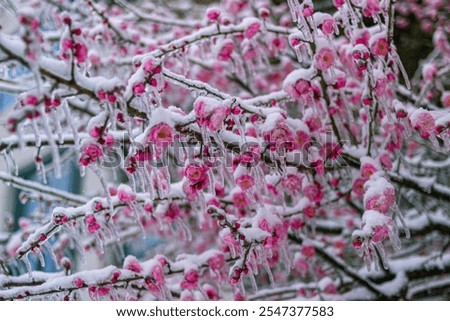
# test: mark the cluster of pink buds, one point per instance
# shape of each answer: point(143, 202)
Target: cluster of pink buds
point(30, 100)
point(132, 264)
point(152, 75)
point(92, 224)
point(125, 194)
point(109, 96)
point(197, 178)
point(51, 103)
point(210, 112)
point(376, 224)
point(190, 280)
point(31, 35)
point(73, 46)
point(361, 56)
point(90, 154)
point(422, 121)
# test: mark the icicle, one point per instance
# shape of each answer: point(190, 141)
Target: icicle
point(382, 253)
point(374, 257)
point(166, 174)
point(14, 163)
point(51, 141)
point(284, 256)
point(37, 136)
point(76, 239)
point(393, 236)
point(293, 7)
point(7, 163)
point(99, 242)
point(402, 220)
point(40, 256)
point(401, 67)
point(100, 176)
point(59, 131)
point(27, 263)
point(251, 276)
point(232, 251)
point(82, 170)
point(353, 17)
point(71, 123)
point(40, 167)
point(186, 231)
point(137, 217)
point(377, 20)
point(20, 136)
point(52, 254)
point(266, 267)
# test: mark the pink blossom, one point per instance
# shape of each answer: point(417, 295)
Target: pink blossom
point(66, 44)
point(79, 283)
point(300, 90)
point(211, 292)
point(190, 280)
point(80, 52)
point(217, 261)
point(367, 170)
point(90, 154)
point(330, 289)
point(302, 267)
point(292, 183)
point(151, 66)
point(313, 192)
point(226, 51)
point(385, 160)
point(423, 121)
point(358, 186)
point(429, 71)
point(380, 233)
point(357, 243)
point(324, 59)
point(371, 8)
point(195, 173)
point(172, 213)
point(380, 47)
point(31, 100)
point(217, 118)
point(379, 203)
point(280, 136)
point(213, 14)
point(138, 88)
point(309, 211)
point(158, 275)
point(161, 134)
point(445, 99)
point(132, 264)
point(252, 30)
point(92, 224)
point(125, 194)
point(308, 11)
point(338, 3)
point(328, 26)
point(103, 290)
point(240, 200)
point(245, 181)
point(308, 251)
